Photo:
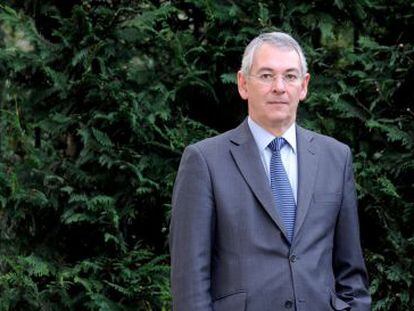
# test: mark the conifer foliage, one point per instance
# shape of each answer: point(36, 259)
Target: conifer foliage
point(99, 97)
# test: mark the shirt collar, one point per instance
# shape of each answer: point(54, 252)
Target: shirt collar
point(263, 137)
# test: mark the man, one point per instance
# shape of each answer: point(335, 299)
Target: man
point(264, 216)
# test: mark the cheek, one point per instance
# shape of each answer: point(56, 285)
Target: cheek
point(256, 96)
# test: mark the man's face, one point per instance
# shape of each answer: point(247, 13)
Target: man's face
point(273, 104)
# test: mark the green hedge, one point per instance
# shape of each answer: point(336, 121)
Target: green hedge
point(99, 98)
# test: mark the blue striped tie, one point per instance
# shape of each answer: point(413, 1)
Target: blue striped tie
point(281, 189)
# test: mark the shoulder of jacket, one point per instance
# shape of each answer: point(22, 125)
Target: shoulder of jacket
point(325, 140)
point(212, 142)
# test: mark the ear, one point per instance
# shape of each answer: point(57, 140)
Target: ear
point(242, 85)
point(304, 86)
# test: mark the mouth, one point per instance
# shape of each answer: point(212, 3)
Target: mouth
point(277, 102)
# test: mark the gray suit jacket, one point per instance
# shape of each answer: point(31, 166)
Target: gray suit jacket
point(229, 250)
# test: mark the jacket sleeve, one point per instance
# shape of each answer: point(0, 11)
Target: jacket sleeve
point(348, 262)
point(191, 234)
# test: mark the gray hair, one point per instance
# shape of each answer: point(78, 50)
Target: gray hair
point(278, 39)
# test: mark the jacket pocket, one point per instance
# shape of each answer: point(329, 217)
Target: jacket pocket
point(339, 304)
point(234, 301)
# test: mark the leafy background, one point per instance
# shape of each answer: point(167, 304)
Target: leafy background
point(99, 97)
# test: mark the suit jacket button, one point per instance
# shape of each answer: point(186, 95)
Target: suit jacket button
point(288, 304)
point(293, 258)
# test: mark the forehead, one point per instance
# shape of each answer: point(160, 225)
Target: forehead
point(275, 58)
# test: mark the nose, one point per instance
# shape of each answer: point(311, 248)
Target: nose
point(278, 85)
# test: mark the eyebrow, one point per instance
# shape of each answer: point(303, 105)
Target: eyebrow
point(270, 69)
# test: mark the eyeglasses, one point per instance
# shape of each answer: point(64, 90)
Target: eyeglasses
point(268, 78)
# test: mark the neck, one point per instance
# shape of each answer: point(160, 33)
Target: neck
point(275, 129)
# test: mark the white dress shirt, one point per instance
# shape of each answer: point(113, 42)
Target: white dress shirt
point(288, 152)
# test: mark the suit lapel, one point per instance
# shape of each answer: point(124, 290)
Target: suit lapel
point(307, 168)
point(246, 155)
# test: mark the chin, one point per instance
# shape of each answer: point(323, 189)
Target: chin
point(280, 118)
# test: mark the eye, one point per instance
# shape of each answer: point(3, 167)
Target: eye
point(266, 77)
point(290, 77)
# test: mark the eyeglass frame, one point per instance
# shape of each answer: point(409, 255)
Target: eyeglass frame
point(272, 78)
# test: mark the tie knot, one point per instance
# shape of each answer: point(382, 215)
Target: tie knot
point(277, 144)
